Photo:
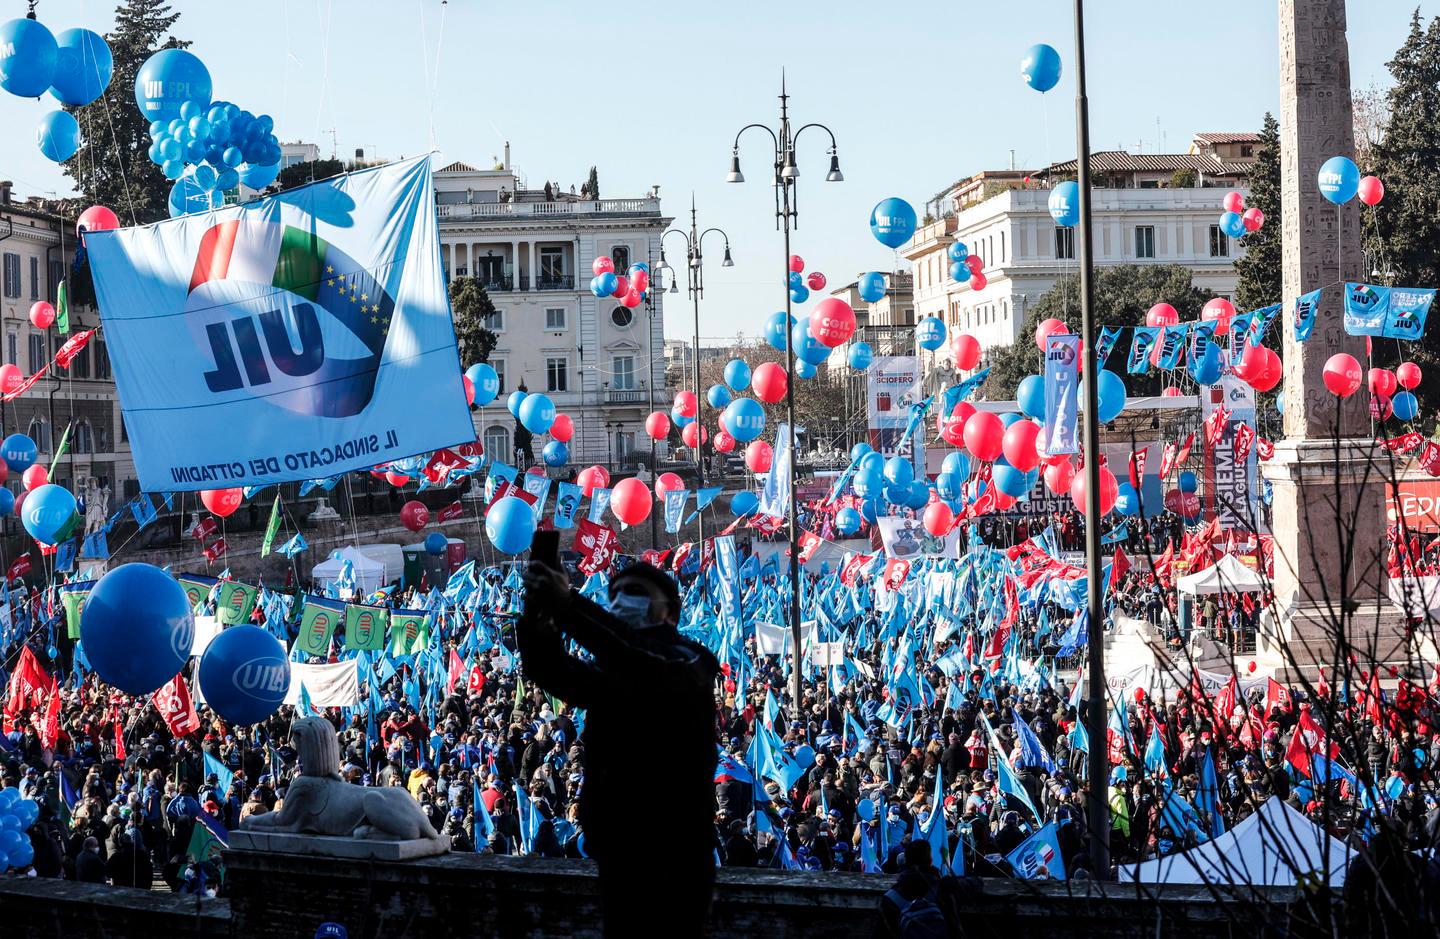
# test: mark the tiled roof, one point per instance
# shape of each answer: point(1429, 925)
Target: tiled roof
point(457, 167)
point(1119, 161)
point(1243, 137)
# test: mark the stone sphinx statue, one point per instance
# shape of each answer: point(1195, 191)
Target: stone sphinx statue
point(319, 802)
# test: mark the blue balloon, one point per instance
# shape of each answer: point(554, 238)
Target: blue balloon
point(1111, 390)
point(245, 673)
point(919, 494)
point(137, 628)
point(555, 453)
point(27, 58)
point(537, 413)
point(1065, 204)
point(871, 286)
point(1232, 224)
point(168, 79)
point(796, 280)
point(204, 176)
point(776, 328)
point(870, 510)
point(899, 472)
point(744, 502)
point(7, 502)
point(486, 382)
point(1030, 395)
point(847, 521)
point(1010, 417)
point(49, 513)
point(857, 453)
point(1187, 481)
point(436, 543)
point(897, 495)
point(58, 136)
point(10, 821)
point(1009, 480)
point(232, 156)
point(806, 346)
point(804, 369)
point(799, 294)
point(604, 285)
point(958, 251)
point(892, 222)
point(1041, 67)
point(10, 839)
point(173, 169)
point(868, 481)
point(861, 356)
point(8, 797)
point(737, 374)
point(19, 452)
point(744, 419)
point(190, 109)
point(873, 461)
point(930, 334)
point(1280, 402)
point(227, 180)
point(513, 403)
point(1339, 179)
point(718, 396)
point(187, 197)
point(1127, 500)
point(956, 464)
point(258, 175)
point(948, 485)
point(960, 272)
point(1208, 369)
point(678, 419)
point(83, 66)
point(510, 525)
point(24, 856)
point(1403, 404)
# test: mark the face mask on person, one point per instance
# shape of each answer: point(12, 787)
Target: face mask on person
point(633, 609)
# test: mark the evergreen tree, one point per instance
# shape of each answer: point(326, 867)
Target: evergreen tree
point(113, 166)
point(1258, 271)
point(471, 309)
point(592, 184)
point(301, 174)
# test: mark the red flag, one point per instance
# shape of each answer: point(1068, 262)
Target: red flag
point(1137, 466)
point(50, 726)
point(204, 528)
point(1167, 460)
point(441, 464)
point(452, 511)
point(1309, 738)
point(120, 753)
point(682, 552)
point(851, 570)
point(456, 672)
point(597, 545)
point(1184, 453)
point(66, 353)
point(1405, 442)
point(1225, 700)
point(20, 568)
point(1216, 425)
point(1244, 438)
point(1430, 458)
point(215, 551)
point(896, 570)
point(809, 544)
point(768, 524)
point(26, 688)
point(1119, 564)
point(1264, 448)
point(707, 553)
point(1276, 696)
point(176, 707)
point(476, 682)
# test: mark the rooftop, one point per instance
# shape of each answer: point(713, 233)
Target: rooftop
point(1121, 161)
point(1229, 137)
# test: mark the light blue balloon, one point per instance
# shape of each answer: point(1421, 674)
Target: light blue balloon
point(680, 420)
point(204, 176)
point(868, 481)
point(137, 628)
point(919, 494)
point(744, 419)
point(258, 175)
point(960, 272)
point(859, 451)
point(537, 413)
point(847, 521)
point(245, 674)
point(1111, 389)
point(27, 58)
point(10, 822)
point(1009, 480)
point(1030, 395)
point(486, 382)
point(603, 285)
point(743, 503)
point(10, 839)
point(190, 109)
point(804, 369)
point(1010, 417)
point(776, 328)
point(83, 66)
point(1187, 481)
point(24, 856)
point(958, 251)
point(232, 156)
point(19, 452)
point(1232, 224)
point(1041, 67)
point(930, 333)
point(173, 169)
point(513, 402)
point(58, 135)
point(737, 374)
point(899, 472)
point(555, 453)
point(1339, 179)
point(168, 79)
point(1127, 500)
point(807, 347)
point(896, 495)
point(872, 461)
point(49, 513)
point(1065, 204)
point(956, 464)
point(510, 525)
point(227, 179)
point(796, 280)
point(7, 502)
point(870, 510)
point(186, 197)
point(799, 294)
point(948, 485)
point(718, 396)
point(871, 286)
point(1208, 369)
point(861, 356)
point(892, 222)
point(1280, 402)
point(1405, 405)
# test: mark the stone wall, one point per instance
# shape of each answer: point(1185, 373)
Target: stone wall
point(60, 909)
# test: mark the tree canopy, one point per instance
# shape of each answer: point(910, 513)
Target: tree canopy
point(471, 310)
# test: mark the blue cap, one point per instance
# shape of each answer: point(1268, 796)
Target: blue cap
point(331, 931)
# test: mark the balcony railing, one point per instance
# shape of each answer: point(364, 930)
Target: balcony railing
point(555, 282)
point(503, 283)
point(484, 210)
point(624, 396)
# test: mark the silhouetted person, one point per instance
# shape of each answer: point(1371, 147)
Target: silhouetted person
point(646, 684)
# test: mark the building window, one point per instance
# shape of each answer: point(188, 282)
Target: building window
point(495, 322)
point(37, 352)
point(557, 373)
point(622, 316)
point(620, 254)
point(57, 274)
point(1064, 243)
point(1219, 243)
point(80, 367)
point(497, 442)
point(1144, 241)
point(12, 275)
point(12, 345)
point(552, 264)
point(555, 318)
point(102, 360)
point(499, 366)
point(1246, 150)
point(1002, 249)
point(84, 437)
point(39, 431)
point(622, 368)
point(34, 278)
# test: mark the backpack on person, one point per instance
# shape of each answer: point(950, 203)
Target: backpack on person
point(920, 918)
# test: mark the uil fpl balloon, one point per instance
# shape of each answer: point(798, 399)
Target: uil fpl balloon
point(892, 222)
point(1065, 204)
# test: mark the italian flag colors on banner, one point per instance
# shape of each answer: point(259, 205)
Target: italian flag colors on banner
point(409, 631)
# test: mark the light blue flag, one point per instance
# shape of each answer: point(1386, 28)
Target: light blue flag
point(775, 495)
point(934, 827)
point(1029, 751)
point(1155, 761)
point(141, 507)
point(1062, 382)
point(484, 825)
point(1207, 796)
point(703, 498)
point(1041, 849)
point(499, 472)
point(674, 508)
point(539, 487)
point(294, 546)
point(335, 297)
point(567, 500)
point(599, 502)
point(221, 771)
point(1007, 781)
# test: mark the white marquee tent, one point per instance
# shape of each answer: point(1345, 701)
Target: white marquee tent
point(1231, 575)
point(369, 572)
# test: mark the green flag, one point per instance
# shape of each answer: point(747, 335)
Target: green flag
point(62, 309)
point(73, 596)
point(365, 627)
point(60, 450)
point(235, 603)
point(409, 632)
point(197, 591)
point(318, 620)
point(273, 528)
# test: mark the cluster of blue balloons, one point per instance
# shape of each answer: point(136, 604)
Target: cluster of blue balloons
point(75, 67)
point(892, 222)
point(1041, 67)
point(245, 674)
point(485, 381)
point(799, 292)
point(959, 270)
point(535, 412)
point(893, 480)
point(1065, 204)
point(16, 816)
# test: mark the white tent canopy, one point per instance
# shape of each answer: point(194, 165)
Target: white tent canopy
point(369, 573)
point(1229, 576)
point(1272, 847)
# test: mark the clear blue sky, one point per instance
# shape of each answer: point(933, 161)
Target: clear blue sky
point(918, 97)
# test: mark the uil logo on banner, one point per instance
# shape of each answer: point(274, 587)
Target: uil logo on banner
point(263, 678)
point(320, 627)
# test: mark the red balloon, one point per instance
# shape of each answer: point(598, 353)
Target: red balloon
point(686, 404)
point(1234, 202)
point(639, 280)
point(630, 501)
point(1381, 407)
point(1408, 375)
point(414, 515)
point(797, 264)
point(758, 456)
point(1220, 310)
point(34, 476)
point(657, 425)
point(1139, 694)
point(4, 471)
point(938, 519)
point(966, 351)
point(975, 262)
point(19, 501)
point(222, 502)
point(831, 322)
point(1048, 328)
point(1252, 666)
point(978, 281)
point(96, 218)
point(469, 389)
point(816, 281)
point(1254, 219)
point(1382, 381)
point(1371, 190)
point(398, 480)
point(1170, 392)
point(11, 378)
point(602, 265)
point(1268, 371)
point(724, 442)
point(1109, 490)
point(1003, 501)
point(667, 482)
point(563, 428)
point(984, 436)
point(689, 432)
point(769, 381)
point(952, 428)
point(592, 478)
point(42, 314)
point(1342, 374)
point(1162, 314)
point(622, 287)
point(1183, 503)
point(1018, 445)
point(1058, 476)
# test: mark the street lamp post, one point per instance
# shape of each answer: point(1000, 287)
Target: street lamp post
point(787, 175)
point(695, 287)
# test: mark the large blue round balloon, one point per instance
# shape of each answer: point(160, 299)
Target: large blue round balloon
point(555, 453)
point(892, 222)
point(807, 347)
point(436, 543)
point(245, 674)
point(872, 462)
point(1041, 67)
point(678, 419)
point(744, 502)
point(513, 402)
point(19, 452)
point(510, 525)
point(1065, 204)
point(27, 58)
point(896, 495)
point(137, 628)
point(49, 513)
point(960, 271)
point(1208, 368)
point(958, 251)
point(776, 329)
point(1127, 500)
point(899, 472)
point(919, 494)
point(1403, 404)
point(799, 294)
point(1030, 395)
point(957, 464)
point(1232, 224)
point(948, 485)
point(83, 65)
point(1111, 389)
point(1009, 480)
point(486, 383)
point(537, 413)
point(258, 175)
point(861, 356)
point(1339, 179)
point(744, 419)
point(930, 333)
point(168, 79)
point(737, 374)
point(718, 396)
point(603, 285)
point(847, 521)
point(58, 136)
point(857, 453)
point(870, 510)
point(1187, 481)
point(871, 286)
point(868, 481)
point(187, 197)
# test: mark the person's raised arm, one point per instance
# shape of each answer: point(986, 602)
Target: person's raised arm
point(542, 650)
